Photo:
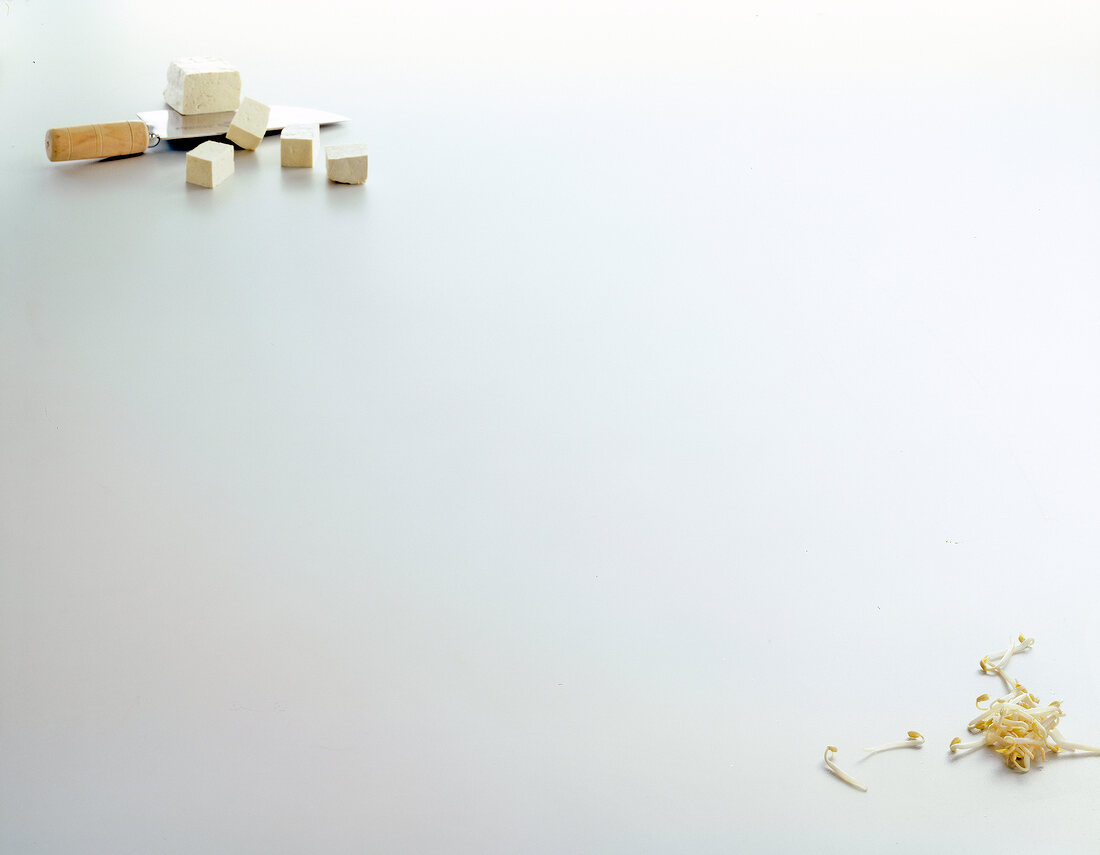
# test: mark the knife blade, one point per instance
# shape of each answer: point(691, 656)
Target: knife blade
point(113, 139)
point(170, 125)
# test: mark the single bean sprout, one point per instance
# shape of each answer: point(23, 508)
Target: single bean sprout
point(915, 740)
point(840, 773)
point(1002, 656)
point(1017, 726)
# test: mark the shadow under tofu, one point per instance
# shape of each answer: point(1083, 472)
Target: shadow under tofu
point(188, 143)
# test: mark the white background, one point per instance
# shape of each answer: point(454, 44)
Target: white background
point(690, 387)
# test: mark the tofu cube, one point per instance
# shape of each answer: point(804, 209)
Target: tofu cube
point(249, 124)
point(202, 84)
point(209, 164)
point(346, 164)
point(299, 144)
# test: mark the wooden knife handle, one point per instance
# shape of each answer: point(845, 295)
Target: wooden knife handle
point(81, 142)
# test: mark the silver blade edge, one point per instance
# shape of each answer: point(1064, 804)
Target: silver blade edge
point(170, 125)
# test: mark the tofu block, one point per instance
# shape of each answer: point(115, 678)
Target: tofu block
point(249, 124)
point(299, 144)
point(209, 164)
point(202, 84)
point(346, 164)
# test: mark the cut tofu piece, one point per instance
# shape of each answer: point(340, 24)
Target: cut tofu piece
point(299, 144)
point(249, 124)
point(209, 164)
point(202, 84)
point(346, 164)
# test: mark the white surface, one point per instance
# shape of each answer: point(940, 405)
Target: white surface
point(686, 390)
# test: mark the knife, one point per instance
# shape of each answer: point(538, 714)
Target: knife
point(113, 139)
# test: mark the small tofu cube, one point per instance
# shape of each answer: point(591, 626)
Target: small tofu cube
point(202, 84)
point(346, 164)
point(249, 124)
point(299, 144)
point(209, 164)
